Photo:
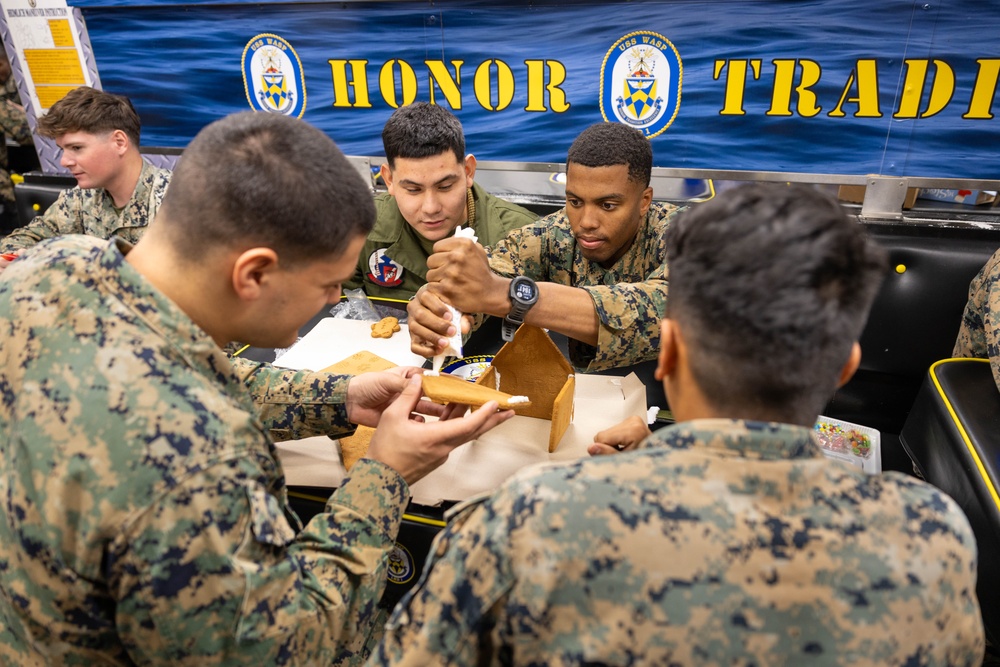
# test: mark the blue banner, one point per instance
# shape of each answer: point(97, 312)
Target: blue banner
point(891, 87)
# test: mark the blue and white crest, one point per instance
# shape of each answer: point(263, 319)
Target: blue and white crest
point(641, 82)
point(272, 76)
point(400, 569)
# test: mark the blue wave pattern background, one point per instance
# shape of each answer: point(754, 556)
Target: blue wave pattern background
point(180, 64)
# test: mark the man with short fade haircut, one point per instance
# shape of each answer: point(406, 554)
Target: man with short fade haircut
point(727, 538)
point(596, 268)
point(979, 334)
point(431, 192)
point(117, 193)
point(146, 518)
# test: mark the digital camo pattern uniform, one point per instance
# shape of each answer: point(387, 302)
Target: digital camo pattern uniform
point(8, 90)
point(400, 269)
point(718, 542)
point(14, 122)
point(979, 335)
point(91, 211)
point(145, 517)
point(630, 297)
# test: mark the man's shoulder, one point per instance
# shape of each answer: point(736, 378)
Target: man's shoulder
point(76, 201)
point(991, 270)
point(65, 254)
point(388, 220)
point(554, 225)
point(158, 174)
point(917, 498)
point(660, 213)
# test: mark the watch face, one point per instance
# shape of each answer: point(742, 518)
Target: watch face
point(524, 291)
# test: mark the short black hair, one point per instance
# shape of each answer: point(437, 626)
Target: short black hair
point(772, 285)
point(262, 179)
point(610, 144)
point(422, 130)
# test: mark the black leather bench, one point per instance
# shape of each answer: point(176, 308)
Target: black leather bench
point(913, 323)
point(953, 436)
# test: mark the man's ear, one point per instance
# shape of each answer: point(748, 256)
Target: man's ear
point(120, 140)
point(647, 199)
point(386, 174)
point(252, 273)
point(666, 361)
point(470, 169)
point(851, 365)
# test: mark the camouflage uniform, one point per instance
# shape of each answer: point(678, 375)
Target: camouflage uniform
point(630, 297)
point(8, 90)
point(718, 542)
point(91, 211)
point(400, 253)
point(145, 516)
point(979, 335)
point(14, 122)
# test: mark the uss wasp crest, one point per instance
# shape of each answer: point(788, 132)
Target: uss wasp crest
point(272, 76)
point(641, 82)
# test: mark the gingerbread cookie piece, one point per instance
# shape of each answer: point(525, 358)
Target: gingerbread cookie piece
point(355, 446)
point(385, 327)
point(449, 389)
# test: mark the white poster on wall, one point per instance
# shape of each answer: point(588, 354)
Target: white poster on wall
point(47, 46)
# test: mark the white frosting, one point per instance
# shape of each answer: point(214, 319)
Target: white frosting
point(518, 399)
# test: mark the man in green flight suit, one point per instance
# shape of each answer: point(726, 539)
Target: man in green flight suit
point(118, 192)
point(431, 193)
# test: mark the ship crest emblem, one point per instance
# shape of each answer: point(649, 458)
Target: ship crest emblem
point(641, 82)
point(272, 76)
point(400, 567)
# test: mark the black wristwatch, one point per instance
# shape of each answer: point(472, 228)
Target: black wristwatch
point(523, 294)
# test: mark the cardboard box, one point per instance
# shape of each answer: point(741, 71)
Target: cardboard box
point(855, 194)
point(969, 197)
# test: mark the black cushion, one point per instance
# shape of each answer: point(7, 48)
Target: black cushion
point(916, 315)
point(37, 193)
point(953, 436)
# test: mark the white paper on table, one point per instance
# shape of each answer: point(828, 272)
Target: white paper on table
point(335, 339)
point(482, 465)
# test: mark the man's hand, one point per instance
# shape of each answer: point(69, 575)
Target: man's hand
point(458, 275)
point(459, 272)
point(6, 259)
point(369, 394)
point(621, 437)
point(429, 323)
point(413, 447)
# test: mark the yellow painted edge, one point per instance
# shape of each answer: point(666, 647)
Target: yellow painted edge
point(711, 193)
point(965, 436)
point(422, 519)
point(408, 517)
point(343, 297)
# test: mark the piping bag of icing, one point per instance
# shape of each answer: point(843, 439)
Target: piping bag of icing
point(454, 347)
